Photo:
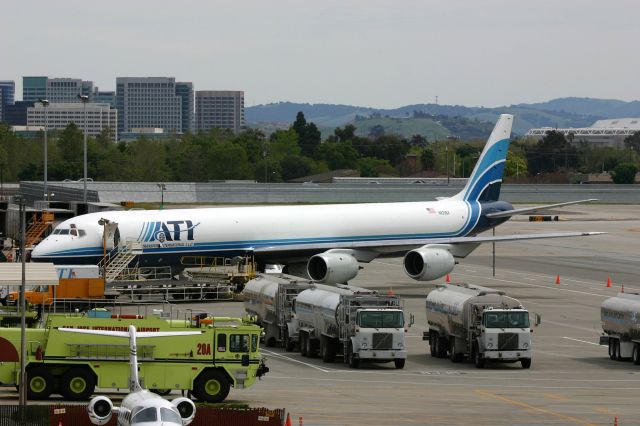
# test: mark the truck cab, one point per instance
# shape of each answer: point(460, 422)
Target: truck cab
point(379, 335)
point(505, 335)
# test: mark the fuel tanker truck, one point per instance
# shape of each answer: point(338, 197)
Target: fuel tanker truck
point(477, 322)
point(358, 323)
point(270, 298)
point(620, 317)
point(224, 354)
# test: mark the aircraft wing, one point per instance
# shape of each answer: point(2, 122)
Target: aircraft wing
point(388, 246)
point(535, 209)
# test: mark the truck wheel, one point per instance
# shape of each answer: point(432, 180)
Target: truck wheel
point(399, 363)
point(39, 383)
point(636, 354)
point(288, 343)
point(526, 362)
point(311, 347)
point(353, 361)
point(77, 384)
point(211, 386)
point(617, 350)
point(612, 349)
point(477, 357)
point(442, 347)
point(432, 343)
point(328, 348)
point(303, 343)
point(455, 356)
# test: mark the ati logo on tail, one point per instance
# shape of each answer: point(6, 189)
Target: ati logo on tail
point(173, 230)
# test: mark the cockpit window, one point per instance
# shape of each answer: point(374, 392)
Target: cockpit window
point(56, 231)
point(145, 415)
point(168, 415)
point(64, 231)
point(82, 232)
point(74, 232)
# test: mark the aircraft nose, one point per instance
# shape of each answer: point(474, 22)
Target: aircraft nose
point(42, 249)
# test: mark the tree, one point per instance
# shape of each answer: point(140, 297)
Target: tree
point(309, 136)
point(374, 167)
point(338, 155)
point(376, 131)
point(633, 142)
point(427, 159)
point(516, 164)
point(624, 173)
point(418, 140)
point(552, 152)
point(295, 166)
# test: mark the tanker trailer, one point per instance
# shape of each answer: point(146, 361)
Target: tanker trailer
point(358, 323)
point(477, 322)
point(621, 325)
point(269, 298)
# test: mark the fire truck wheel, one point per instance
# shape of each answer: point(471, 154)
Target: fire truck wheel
point(77, 384)
point(211, 386)
point(39, 383)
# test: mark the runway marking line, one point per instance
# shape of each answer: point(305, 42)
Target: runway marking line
point(527, 406)
point(556, 396)
point(582, 341)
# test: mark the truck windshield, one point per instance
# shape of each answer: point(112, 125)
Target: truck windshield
point(381, 319)
point(506, 319)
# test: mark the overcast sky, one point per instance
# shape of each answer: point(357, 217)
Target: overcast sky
point(360, 52)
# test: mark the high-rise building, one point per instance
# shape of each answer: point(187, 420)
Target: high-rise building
point(221, 109)
point(60, 115)
point(7, 95)
point(16, 114)
point(185, 91)
point(104, 97)
point(55, 90)
point(34, 88)
point(146, 102)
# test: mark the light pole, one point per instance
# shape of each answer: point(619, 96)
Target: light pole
point(446, 150)
point(163, 188)
point(84, 99)
point(22, 397)
point(45, 104)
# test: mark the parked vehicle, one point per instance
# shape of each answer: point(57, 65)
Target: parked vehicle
point(621, 326)
point(479, 323)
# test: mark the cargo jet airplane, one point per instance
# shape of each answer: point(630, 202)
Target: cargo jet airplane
point(140, 406)
point(325, 242)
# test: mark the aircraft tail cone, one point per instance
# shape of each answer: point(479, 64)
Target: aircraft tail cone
point(288, 422)
point(558, 279)
point(447, 279)
point(609, 282)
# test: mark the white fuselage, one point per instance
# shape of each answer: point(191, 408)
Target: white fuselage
point(237, 230)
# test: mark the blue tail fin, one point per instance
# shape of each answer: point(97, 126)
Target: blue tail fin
point(486, 178)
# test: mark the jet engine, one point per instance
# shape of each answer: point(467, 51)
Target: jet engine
point(428, 263)
point(186, 408)
point(332, 267)
point(100, 409)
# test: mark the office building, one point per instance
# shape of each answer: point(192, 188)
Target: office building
point(185, 91)
point(220, 109)
point(60, 115)
point(16, 114)
point(34, 88)
point(56, 90)
point(148, 102)
point(7, 95)
point(104, 97)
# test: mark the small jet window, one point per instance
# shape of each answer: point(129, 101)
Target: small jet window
point(145, 415)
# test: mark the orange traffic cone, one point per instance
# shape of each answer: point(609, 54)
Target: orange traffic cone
point(60, 422)
point(557, 279)
point(609, 282)
point(288, 422)
point(391, 292)
point(615, 421)
point(300, 421)
point(447, 279)
point(622, 289)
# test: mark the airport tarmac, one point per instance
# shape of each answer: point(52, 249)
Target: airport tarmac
point(571, 380)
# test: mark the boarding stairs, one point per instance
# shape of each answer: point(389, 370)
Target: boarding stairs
point(37, 228)
point(120, 260)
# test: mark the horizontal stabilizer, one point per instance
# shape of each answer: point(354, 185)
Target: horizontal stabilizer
point(534, 210)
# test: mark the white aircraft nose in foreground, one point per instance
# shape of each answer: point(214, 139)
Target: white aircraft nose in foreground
point(140, 407)
point(326, 242)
